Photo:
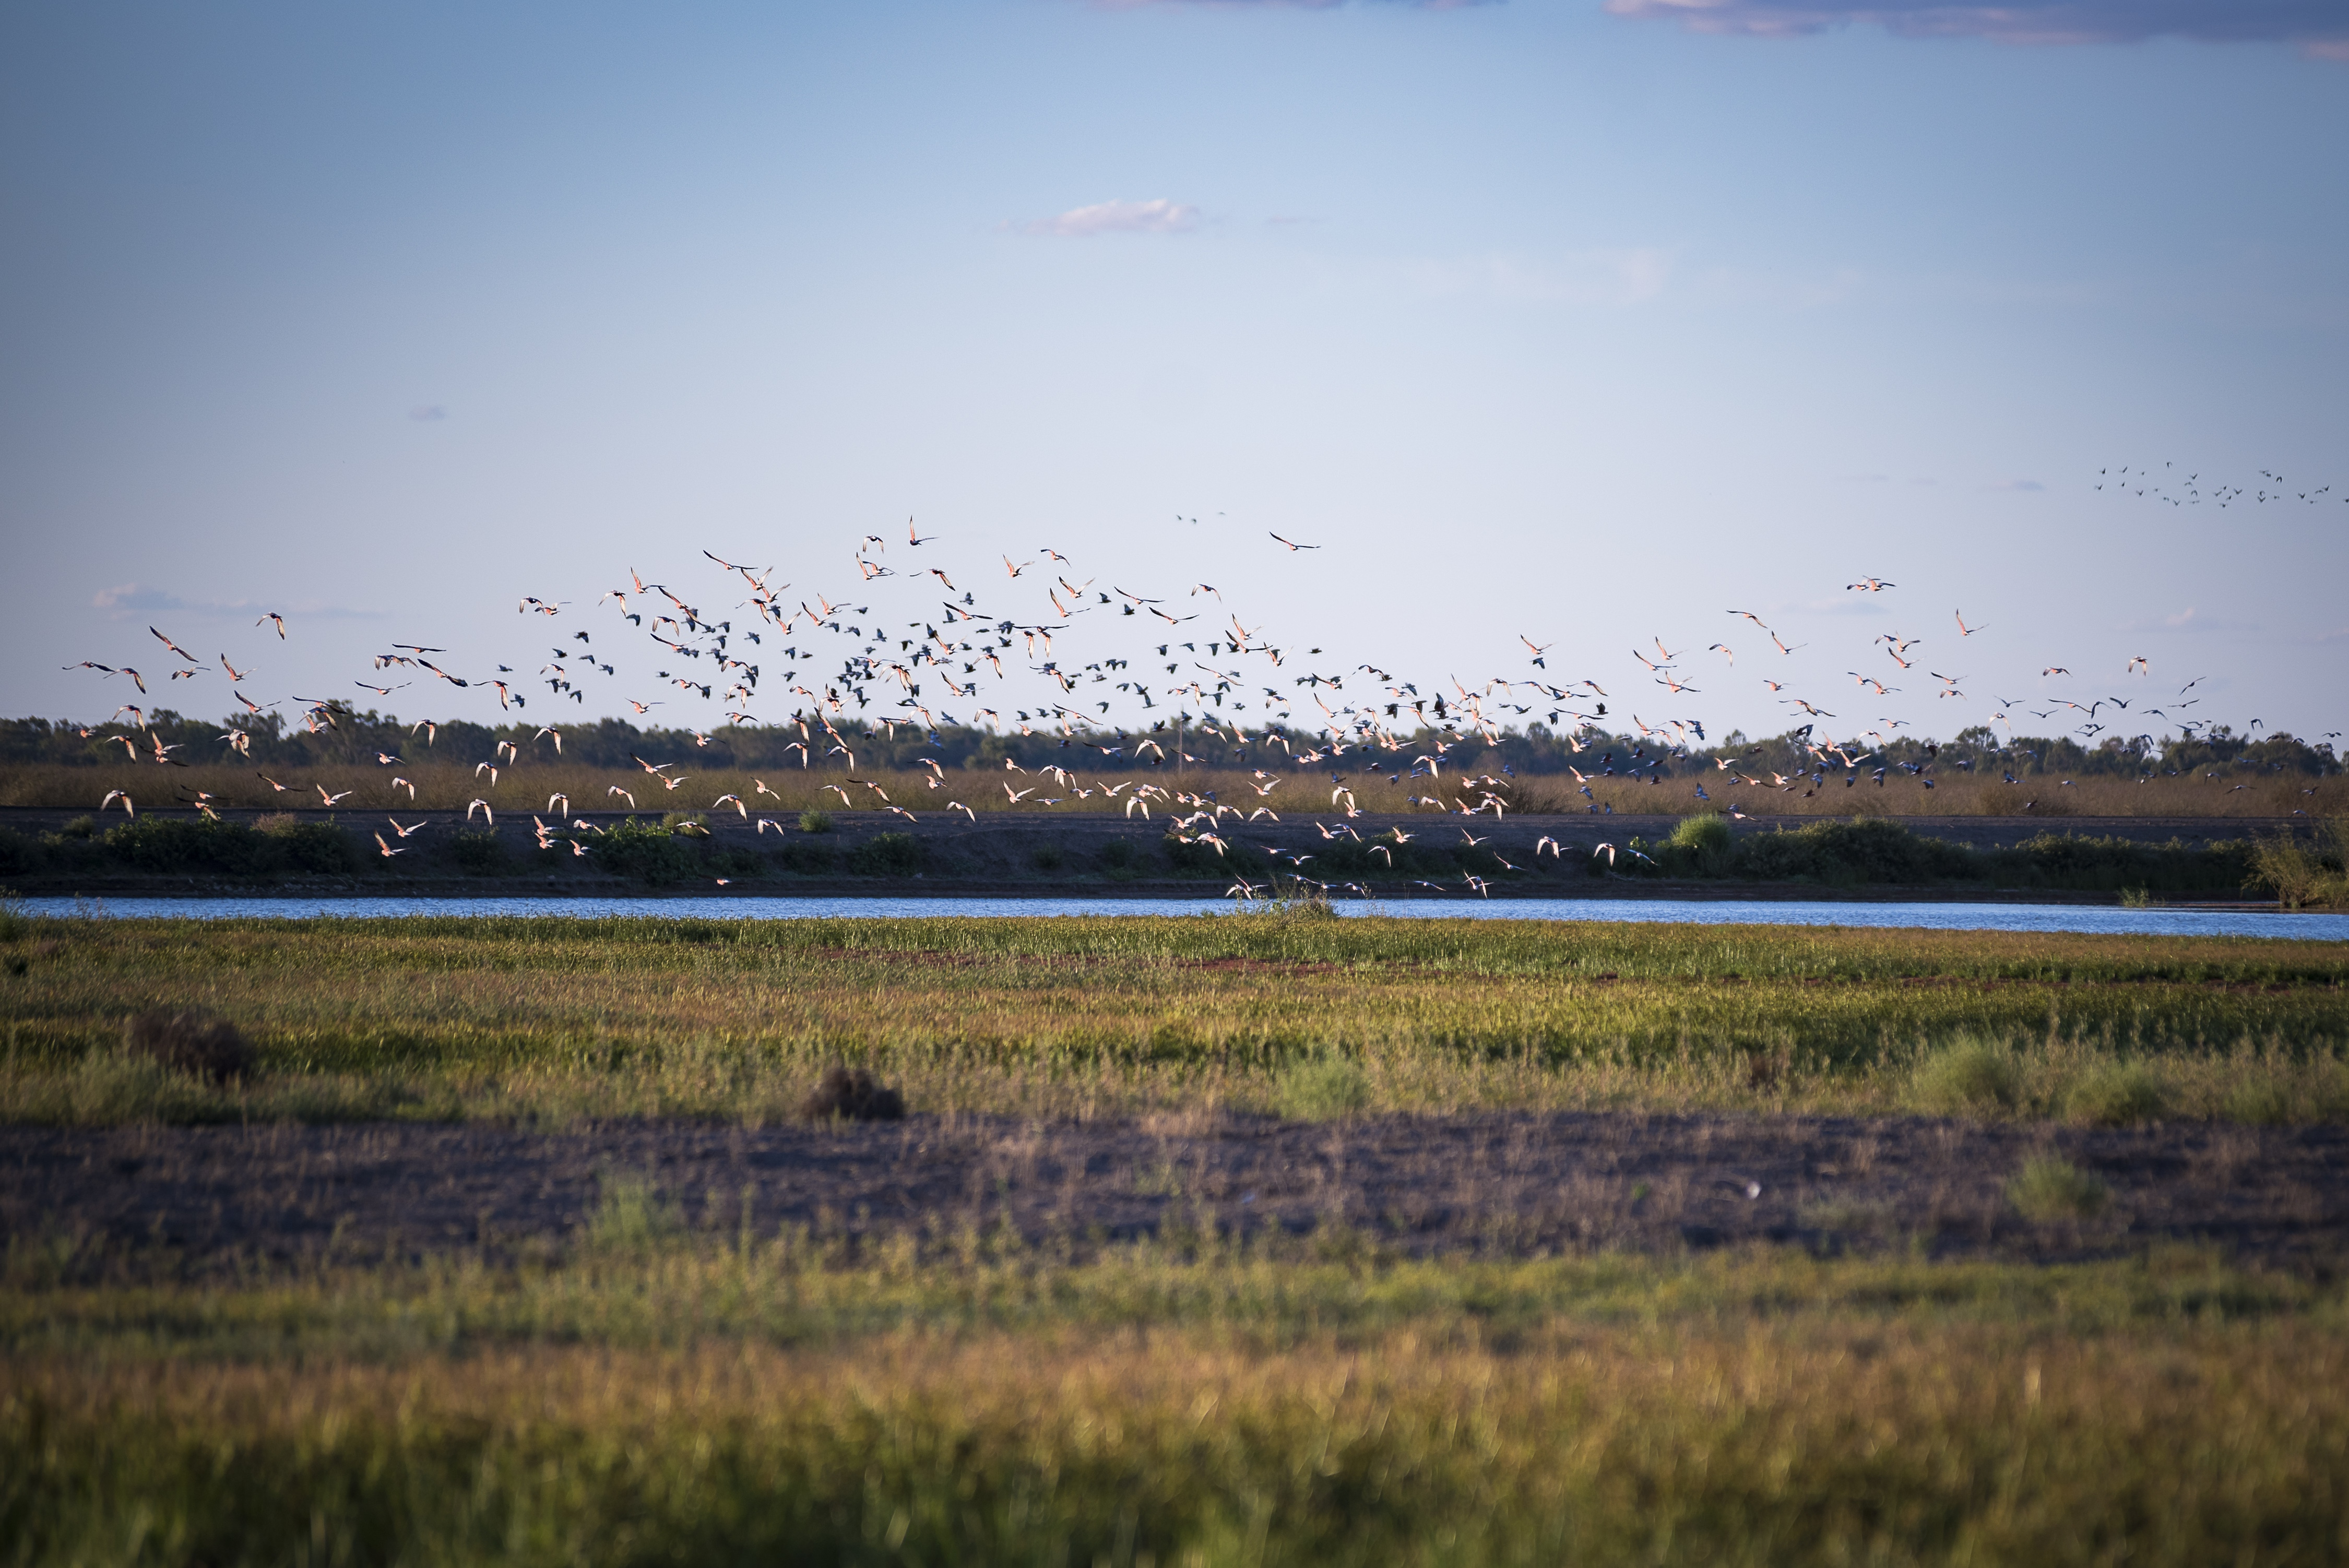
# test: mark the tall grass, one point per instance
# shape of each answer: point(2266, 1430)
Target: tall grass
point(653, 1402)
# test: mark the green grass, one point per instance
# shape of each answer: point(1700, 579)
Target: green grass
point(556, 1018)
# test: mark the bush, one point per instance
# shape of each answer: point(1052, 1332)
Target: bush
point(1048, 858)
point(2047, 1189)
point(808, 859)
point(1700, 844)
point(1118, 854)
point(183, 844)
point(852, 1094)
point(1320, 1088)
point(1967, 1077)
point(193, 1042)
point(648, 852)
point(310, 846)
point(19, 854)
point(1866, 850)
point(888, 855)
point(815, 821)
point(479, 852)
point(2119, 1094)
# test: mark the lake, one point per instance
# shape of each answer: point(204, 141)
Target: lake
point(2091, 918)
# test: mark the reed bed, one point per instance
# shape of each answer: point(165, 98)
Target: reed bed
point(520, 1019)
point(367, 788)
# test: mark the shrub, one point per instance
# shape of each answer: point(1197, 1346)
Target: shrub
point(19, 854)
point(852, 1094)
point(648, 852)
point(1320, 1088)
point(815, 821)
point(79, 828)
point(1967, 1077)
point(2119, 1094)
point(2047, 1188)
point(309, 846)
point(888, 855)
point(808, 859)
point(1118, 854)
point(1047, 856)
point(479, 852)
point(1700, 844)
point(1866, 850)
point(193, 1042)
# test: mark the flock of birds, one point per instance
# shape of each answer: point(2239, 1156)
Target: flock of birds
point(846, 668)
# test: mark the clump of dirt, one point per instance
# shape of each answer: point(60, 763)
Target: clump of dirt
point(193, 1041)
point(852, 1093)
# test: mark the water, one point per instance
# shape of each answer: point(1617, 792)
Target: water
point(2098, 919)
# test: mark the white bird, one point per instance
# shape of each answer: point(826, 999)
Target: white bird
point(114, 795)
point(330, 800)
point(551, 800)
point(737, 805)
point(400, 831)
point(483, 808)
point(387, 850)
point(623, 795)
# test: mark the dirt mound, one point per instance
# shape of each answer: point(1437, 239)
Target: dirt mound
point(193, 1041)
point(852, 1093)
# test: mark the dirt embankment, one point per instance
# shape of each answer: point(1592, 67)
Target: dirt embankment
point(206, 1199)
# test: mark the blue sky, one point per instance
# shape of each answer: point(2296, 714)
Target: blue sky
point(1551, 317)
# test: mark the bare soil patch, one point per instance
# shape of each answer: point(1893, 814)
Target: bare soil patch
point(221, 1198)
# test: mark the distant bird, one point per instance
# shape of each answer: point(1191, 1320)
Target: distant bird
point(272, 617)
point(1291, 545)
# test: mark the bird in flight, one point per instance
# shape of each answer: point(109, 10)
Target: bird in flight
point(1291, 545)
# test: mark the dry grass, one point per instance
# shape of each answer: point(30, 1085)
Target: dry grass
point(1147, 1410)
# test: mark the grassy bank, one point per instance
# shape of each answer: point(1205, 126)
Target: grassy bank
point(557, 1019)
point(696, 1399)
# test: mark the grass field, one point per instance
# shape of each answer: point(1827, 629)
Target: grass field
point(1060, 1017)
point(789, 791)
point(693, 1399)
point(671, 1384)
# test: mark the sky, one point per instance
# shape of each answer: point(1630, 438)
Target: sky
point(1583, 322)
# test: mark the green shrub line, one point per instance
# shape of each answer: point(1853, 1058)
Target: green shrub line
point(1838, 854)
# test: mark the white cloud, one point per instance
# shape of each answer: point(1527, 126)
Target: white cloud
point(1158, 216)
point(126, 599)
